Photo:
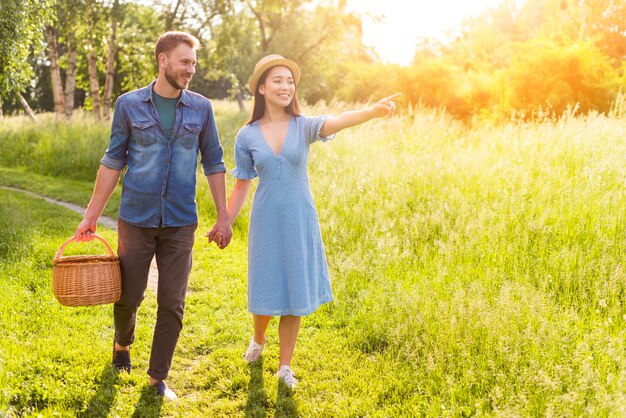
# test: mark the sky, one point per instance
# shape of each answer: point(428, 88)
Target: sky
point(404, 21)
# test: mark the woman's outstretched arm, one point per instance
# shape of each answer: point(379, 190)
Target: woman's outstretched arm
point(351, 118)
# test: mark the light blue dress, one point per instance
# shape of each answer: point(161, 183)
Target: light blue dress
point(287, 271)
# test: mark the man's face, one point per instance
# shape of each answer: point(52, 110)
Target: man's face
point(179, 66)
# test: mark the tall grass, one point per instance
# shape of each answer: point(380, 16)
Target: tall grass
point(488, 261)
point(54, 149)
point(477, 271)
point(73, 150)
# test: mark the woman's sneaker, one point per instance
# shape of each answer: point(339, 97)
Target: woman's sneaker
point(254, 351)
point(286, 375)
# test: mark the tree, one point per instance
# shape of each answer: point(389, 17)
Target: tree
point(325, 32)
point(231, 54)
point(110, 68)
point(545, 74)
point(137, 31)
point(61, 37)
point(604, 21)
point(21, 23)
point(55, 72)
point(94, 32)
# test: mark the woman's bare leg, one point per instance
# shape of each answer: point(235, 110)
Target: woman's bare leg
point(288, 330)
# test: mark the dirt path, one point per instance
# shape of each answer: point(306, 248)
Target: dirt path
point(104, 221)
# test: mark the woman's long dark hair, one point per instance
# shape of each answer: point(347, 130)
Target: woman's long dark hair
point(292, 108)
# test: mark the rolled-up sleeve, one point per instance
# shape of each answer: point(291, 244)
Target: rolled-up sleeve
point(313, 126)
point(244, 163)
point(212, 159)
point(115, 155)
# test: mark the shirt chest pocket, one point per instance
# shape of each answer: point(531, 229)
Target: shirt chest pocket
point(144, 133)
point(189, 136)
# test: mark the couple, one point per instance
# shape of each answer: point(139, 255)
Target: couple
point(157, 133)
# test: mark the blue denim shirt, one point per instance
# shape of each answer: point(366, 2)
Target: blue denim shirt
point(159, 187)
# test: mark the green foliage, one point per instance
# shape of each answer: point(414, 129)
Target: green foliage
point(605, 22)
point(366, 82)
point(324, 37)
point(476, 272)
point(92, 31)
point(516, 57)
point(545, 74)
point(542, 55)
point(21, 25)
point(324, 34)
point(138, 31)
point(230, 55)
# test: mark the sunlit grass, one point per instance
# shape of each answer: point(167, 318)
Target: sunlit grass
point(476, 271)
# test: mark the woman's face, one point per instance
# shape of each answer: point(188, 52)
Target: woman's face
point(279, 87)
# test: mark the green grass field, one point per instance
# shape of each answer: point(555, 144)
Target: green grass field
point(477, 271)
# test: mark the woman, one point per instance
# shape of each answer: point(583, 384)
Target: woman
point(287, 272)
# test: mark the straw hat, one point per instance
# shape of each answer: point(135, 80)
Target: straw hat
point(268, 62)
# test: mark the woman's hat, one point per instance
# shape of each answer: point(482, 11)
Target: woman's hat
point(268, 62)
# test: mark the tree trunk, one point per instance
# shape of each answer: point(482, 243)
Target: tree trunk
point(55, 72)
point(94, 85)
point(70, 77)
point(265, 38)
point(239, 97)
point(110, 69)
point(27, 108)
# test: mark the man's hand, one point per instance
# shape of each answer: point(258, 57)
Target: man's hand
point(221, 233)
point(85, 231)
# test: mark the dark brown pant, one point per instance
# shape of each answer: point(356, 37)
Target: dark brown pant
point(172, 247)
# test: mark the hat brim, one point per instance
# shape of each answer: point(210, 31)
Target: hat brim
point(293, 67)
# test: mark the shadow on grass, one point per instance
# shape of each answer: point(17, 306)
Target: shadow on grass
point(257, 398)
point(149, 403)
point(286, 405)
point(101, 403)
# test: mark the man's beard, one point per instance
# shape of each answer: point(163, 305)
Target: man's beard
point(172, 80)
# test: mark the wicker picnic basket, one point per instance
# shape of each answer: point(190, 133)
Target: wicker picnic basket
point(83, 280)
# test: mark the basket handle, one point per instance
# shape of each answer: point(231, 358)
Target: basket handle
point(59, 253)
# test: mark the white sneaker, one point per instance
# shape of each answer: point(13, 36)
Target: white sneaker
point(286, 375)
point(163, 390)
point(254, 351)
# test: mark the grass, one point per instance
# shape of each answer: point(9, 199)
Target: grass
point(477, 271)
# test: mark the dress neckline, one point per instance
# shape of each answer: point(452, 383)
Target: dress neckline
point(284, 140)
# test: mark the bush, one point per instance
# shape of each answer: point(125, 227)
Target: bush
point(544, 74)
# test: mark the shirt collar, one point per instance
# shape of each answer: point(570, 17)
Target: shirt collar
point(146, 95)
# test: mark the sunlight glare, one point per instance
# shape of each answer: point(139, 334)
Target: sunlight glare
point(394, 38)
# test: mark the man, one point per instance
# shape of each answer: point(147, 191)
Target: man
point(157, 132)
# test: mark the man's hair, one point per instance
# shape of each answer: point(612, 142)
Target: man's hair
point(170, 40)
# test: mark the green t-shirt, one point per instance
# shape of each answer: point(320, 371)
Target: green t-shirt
point(166, 108)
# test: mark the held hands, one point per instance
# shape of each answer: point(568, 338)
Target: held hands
point(385, 106)
point(220, 234)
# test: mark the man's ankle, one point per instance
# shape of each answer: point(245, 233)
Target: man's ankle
point(121, 347)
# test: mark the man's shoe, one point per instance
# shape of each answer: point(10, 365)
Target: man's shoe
point(121, 361)
point(254, 351)
point(163, 390)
